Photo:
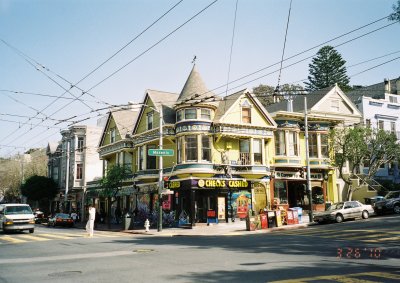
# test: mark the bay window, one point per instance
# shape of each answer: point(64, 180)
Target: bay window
point(244, 153)
point(324, 145)
point(190, 113)
point(205, 148)
point(280, 143)
point(313, 145)
point(293, 144)
point(191, 148)
point(257, 151)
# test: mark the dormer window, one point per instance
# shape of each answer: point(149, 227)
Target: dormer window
point(150, 121)
point(246, 112)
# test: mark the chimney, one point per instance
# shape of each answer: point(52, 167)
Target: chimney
point(387, 85)
point(289, 104)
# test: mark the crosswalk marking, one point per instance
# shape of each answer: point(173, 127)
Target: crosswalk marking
point(348, 278)
point(41, 237)
point(12, 240)
point(55, 236)
point(363, 235)
point(35, 238)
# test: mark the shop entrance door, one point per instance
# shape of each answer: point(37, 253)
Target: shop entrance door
point(296, 193)
point(204, 201)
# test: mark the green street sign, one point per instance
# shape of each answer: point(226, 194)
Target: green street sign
point(161, 152)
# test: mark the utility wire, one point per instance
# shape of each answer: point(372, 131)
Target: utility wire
point(284, 46)
point(151, 47)
point(231, 51)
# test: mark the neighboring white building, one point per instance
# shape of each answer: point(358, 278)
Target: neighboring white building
point(380, 105)
point(76, 151)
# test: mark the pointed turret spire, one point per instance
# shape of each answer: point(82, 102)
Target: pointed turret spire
point(194, 87)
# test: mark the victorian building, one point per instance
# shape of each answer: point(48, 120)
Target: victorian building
point(223, 148)
point(326, 108)
point(73, 163)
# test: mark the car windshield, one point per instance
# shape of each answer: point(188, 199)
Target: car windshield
point(18, 209)
point(62, 215)
point(391, 195)
point(336, 206)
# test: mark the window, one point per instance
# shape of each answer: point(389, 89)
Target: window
point(149, 120)
point(246, 115)
point(335, 105)
point(179, 149)
point(293, 144)
point(280, 192)
point(205, 148)
point(206, 114)
point(244, 154)
point(280, 143)
point(79, 171)
point(191, 148)
point(80, 144)
point(393, 99)
point(190, 113)
point(141, 157)
point(324, 145)
point(151, 161)
point(313, 145)
point(393, 127)
point(112, 135)
point(257, 151)
point(179, 115)
point(368, 123)
point(381, 125)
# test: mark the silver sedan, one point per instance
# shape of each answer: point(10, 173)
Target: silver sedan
point(341, 211)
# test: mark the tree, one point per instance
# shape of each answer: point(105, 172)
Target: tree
point(327, 69)
point(269, 95)
point(111, 185)
point(395, 16)
point(39, 188)
point(362, 147)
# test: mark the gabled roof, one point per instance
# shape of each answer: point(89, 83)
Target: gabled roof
point(376, 91)
point(298, 101)
point(229, 101)
point(124, 120)
point(163, 99)
point(194, 89)
point(52, 147)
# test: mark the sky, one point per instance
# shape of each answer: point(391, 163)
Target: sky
point(51, 52)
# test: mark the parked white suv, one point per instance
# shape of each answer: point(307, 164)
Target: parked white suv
point(16, 217)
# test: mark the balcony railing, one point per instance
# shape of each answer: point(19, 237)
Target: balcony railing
point(244, 158)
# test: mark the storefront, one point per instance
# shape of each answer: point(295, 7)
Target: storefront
point(289, 189)
point(200, 200)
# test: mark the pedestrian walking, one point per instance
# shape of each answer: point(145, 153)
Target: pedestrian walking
point(90, 222)
point(74, 216)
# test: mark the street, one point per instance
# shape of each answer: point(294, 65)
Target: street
point(361, 251)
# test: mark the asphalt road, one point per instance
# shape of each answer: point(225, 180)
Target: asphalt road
point(356, 251)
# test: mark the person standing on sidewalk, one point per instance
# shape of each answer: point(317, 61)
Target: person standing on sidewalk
point(90, 222)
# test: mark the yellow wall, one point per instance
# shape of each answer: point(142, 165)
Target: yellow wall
point(142, 127)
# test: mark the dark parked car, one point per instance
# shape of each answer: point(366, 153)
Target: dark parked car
point(61, 219)
point(391, 203)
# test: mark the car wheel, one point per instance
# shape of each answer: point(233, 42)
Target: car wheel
point(364, 214)
point(396, 209)
point(339, 218)
point(31, 230)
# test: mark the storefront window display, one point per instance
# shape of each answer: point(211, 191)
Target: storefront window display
point(317, 195)
point(280, 192)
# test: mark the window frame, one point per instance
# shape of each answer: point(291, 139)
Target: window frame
point(192, 150)
point(205, 150)
point(247, 117)
point(190, 109)
point(150, 120)
point(79, 171)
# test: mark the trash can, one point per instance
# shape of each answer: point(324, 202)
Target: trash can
point(299, 212)
point(271, 216)
point(295, 215)
point(264, 221)
point(128, 223)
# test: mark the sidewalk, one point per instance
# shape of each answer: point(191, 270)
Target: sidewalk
point(201, 229)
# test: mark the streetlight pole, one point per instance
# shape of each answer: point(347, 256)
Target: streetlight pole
point(310, 214)
point(160, 177)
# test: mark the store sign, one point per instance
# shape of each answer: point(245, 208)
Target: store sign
point(288, 175)
point(213, 183)
point(174, 185)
